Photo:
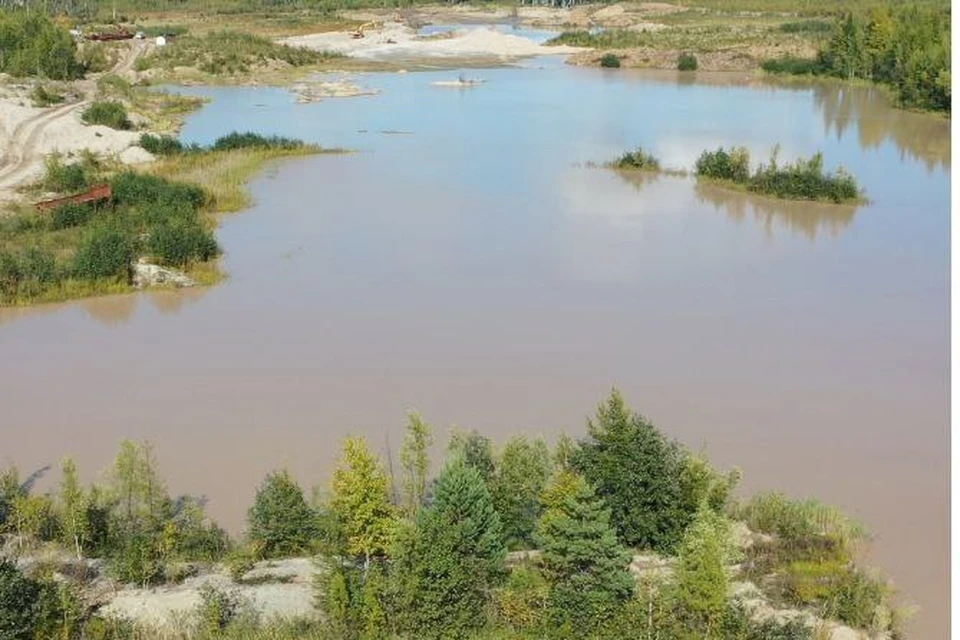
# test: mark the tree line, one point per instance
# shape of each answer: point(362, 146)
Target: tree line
point(524, 542)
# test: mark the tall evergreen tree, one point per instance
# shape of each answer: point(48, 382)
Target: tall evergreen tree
point(637, 472)
point(280, 521)
point(446, 566)
point(701, 585)
point(582, 559)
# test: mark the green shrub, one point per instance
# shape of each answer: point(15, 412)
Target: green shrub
point(168, 30)
point(66, 178)
point(19, 603)
point(28, 273)
point(280, 521)
point(639, 159)
point(722, 165)
point(136, 561)
point(251, 140)
point(107, 113)
point(71, 215)
point(610, 61)
point(164, 145)
point(804, 180)
point(93, 58)
point(218, 608)
point(106, 251)
point(522, 602)
point(806, 26)
point(34, 45)
point(43, 97)
point(739, 624)
point(179, 242)
point(139, 189)
point(857, 598)
point(812, 581)
point(793, 66)
point(687, 62)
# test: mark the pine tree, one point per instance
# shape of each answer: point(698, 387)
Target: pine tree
point(637, 472)
point(446, 566)
point(361, 500)
point(582, 560)
point(280, 521)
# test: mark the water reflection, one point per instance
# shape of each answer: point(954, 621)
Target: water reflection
point(637, 179)
point(113, 310)
point(807, 218)
point(110, 310)
point(918, 136)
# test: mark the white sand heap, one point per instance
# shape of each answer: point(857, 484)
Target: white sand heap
point(397, 41)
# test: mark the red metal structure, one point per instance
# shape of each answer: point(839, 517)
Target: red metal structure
point(93, 194)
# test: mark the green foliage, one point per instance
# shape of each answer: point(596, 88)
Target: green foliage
point(161, 145)
point(637, 472)
point(610, 61)
point(739, 624)
point(798, 520)
point(582, 560)
point(522, 473)
point(361, 500)
point(800, 180)
point(218, 608)
point(638, 159)
point(131, 188)
point(66, 178)
point(701, 585)
point(107, 113)
point(180, 242)
point(793, 66)
point(806, 26)
point(906, 47)
point(71, 215)
point(415, 460)
point(74, 509)
point(445, 567)
point(703, 486)
point(476, 451)
point(106, 251)
point(280, 522)
point(722, 165)
point(168, 30)
point(248, 140)
point(521, 603)
point(31, 44)
point(19, 603)
point(25, 274)
point(687, 62)
point(43, 97)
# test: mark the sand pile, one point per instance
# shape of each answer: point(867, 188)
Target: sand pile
point(396, 41)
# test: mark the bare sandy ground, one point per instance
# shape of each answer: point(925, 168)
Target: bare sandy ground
point(396, 41)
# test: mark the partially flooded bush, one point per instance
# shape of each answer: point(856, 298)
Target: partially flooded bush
point(180, 242)
point(610, 61)
point(105, 252)
point(638, 159)
point(107, 113)
point(71, 215)
point(687, 62)
point(28, 273)
point(250, 140)
point(804, 180)
point(793, 66)
point(723, 165)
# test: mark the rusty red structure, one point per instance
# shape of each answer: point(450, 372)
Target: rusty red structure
point(93, 194)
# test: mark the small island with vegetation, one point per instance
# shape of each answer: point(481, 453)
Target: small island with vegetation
point(799, 180)
point(623, 533)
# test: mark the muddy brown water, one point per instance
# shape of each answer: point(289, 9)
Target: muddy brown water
point(479, 271)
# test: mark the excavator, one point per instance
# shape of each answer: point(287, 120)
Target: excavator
point(359, 31)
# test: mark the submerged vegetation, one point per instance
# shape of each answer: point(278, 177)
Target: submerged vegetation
point(427, 554)
point(163, 216)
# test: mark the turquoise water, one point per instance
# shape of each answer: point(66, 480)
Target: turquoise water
point(476, 267)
